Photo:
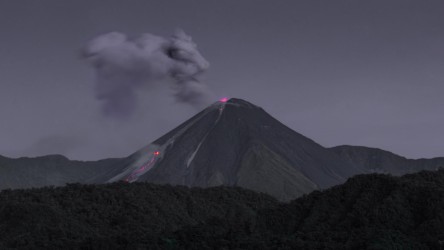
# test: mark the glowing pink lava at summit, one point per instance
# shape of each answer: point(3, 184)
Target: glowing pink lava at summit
point(224, 99)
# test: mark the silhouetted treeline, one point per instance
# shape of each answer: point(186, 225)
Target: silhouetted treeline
point(117, 215)
point(367, 212)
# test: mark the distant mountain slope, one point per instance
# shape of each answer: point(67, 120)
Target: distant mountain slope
point(236, 143)
point(48, 170)
point(367, 212)
point(380, 161)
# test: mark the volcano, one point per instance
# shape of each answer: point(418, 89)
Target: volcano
point(235, 143)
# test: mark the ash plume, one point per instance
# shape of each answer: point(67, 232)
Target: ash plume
point(123, 65)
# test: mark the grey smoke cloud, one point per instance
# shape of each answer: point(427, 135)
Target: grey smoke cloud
point(124, 65)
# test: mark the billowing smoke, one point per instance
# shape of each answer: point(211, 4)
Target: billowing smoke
point(123, 65)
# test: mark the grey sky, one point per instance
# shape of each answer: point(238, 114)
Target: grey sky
point(338, 71)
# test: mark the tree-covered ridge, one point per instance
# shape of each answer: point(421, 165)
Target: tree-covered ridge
point(114, 215)
point(367, 212)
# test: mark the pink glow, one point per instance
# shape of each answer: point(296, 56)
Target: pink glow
point(148, 165)
point(224, 99)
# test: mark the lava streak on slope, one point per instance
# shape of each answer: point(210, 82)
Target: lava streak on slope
point(145, 167)
point(150, 158)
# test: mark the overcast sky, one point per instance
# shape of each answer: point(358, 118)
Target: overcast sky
point(351, 72)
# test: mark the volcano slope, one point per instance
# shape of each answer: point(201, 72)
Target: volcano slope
point(233, 143)
point(236, 143)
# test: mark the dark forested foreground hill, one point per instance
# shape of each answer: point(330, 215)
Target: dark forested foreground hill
point(367, 212)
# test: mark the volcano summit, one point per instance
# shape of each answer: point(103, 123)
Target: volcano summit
point(235, 143)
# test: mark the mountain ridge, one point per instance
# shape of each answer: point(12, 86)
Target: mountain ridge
point(51, 170)
point(378, 160)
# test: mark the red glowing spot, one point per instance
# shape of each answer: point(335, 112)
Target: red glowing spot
point(224, 99)
point(157, 153)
